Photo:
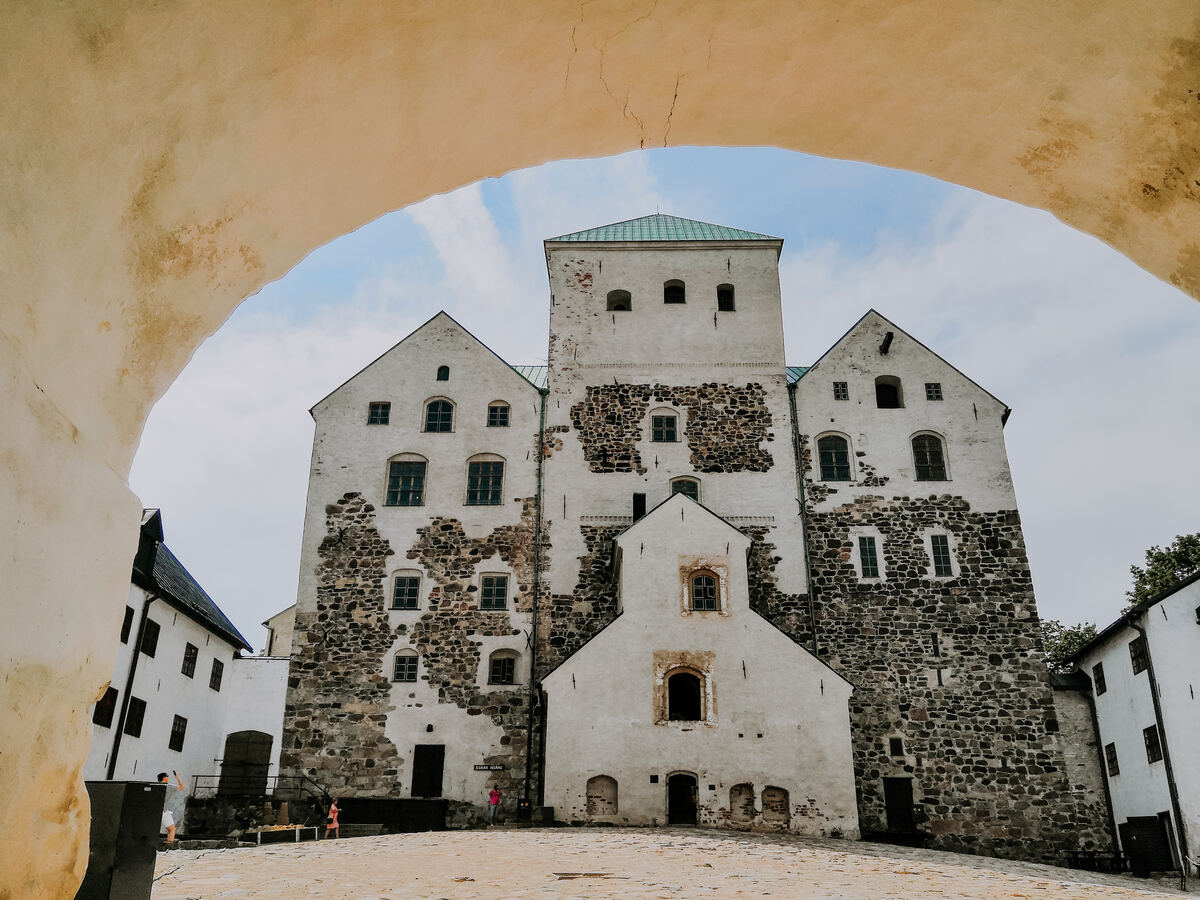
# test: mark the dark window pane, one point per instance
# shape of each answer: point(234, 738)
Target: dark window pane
point(105, 707)
point(503, 670)
point(725, 297)
point(1137, 654)
point(683, 697)
point(841, 390)
point(379, 413)
point(443, 373)
point(673, 292)
point(1153, 747)
point(493, 592)
point(896, 746)
point(484, 483)
point(405, 592)
point(218, 672)
point(834, 455)
point(405, 668)
point(439, 416)
point(126, 624)
point(406, 483)
point(1110, 757)
point(1098, 678)
point(941, 555)
point(150, 637)
point(178, 731)
point(928, 458)
point(620, 301)
point(704, 592)
point(870, 562)
point(689, 487)
point(662, 429)
point(887, 395)
point(933, 390)
point(190, 652)
point(134, 716)
point(498, 416)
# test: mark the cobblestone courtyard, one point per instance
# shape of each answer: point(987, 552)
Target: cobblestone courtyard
point(586, 863)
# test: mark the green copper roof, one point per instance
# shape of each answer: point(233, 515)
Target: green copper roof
point(795, 373)
point(535, 375)
point(660, 227)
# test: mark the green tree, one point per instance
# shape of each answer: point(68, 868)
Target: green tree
point(1060, 641)
point(1165, 568)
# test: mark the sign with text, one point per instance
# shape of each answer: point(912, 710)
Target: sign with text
point(492, 768)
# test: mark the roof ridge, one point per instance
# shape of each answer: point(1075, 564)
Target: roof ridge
point(662, 227)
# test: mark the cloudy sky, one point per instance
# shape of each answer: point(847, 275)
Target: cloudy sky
point(1097, 359)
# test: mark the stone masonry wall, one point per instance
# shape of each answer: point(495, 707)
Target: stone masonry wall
point(570, 620)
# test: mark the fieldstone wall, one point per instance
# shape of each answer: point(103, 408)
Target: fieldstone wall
point(954, 667)
point(786, 611)
point(726, 425)
point(338, 698)
point(568, 621)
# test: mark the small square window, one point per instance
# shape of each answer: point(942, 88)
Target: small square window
point(150, 632)
point(1153, 746)
point(178, 732)
point(896, 746)
point(503, 670)
point(126, 625)
point(218, 672)
point(933, 390)
point(1110, 757)
point(497, 416)
point(379, 413)
point(190, 652)
point(405, 667)
point(493, 592)
point(868, 557)
point(1098, 678)
point(1137, 654)
point(662, 429)
point(841, 390)
point(134, 716)
point(102, 715)
point(406, 591)
point(940, 545)
point(654, 779)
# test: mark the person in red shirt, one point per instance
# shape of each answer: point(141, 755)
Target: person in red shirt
point(493, 803)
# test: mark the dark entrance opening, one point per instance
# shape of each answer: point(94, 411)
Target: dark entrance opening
point(428, 760)
point(1145, 839)
point(245, 764)
point(683, 697)
point(681, 799)
point(887, 394)
point(898, 804)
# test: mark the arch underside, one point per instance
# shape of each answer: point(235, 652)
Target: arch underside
point(166, 161)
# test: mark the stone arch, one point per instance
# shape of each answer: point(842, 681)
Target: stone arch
point(180, 201)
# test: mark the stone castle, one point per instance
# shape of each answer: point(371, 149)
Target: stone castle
point(669, 579)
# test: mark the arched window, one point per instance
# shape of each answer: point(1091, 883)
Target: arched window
point(689, 487)
point(502, 667)
point(620, 300)
point(776, 808)
point(664, 426)
point(404, 667)
point(684, 697)
point(601, 796)
point(405, 481)
point(929, 458)
point(673, 291)
point(439, 415)
point(443, 373)
point(485, 480)
point(741, 804)
point(725, 298)
point(497, 414)
point(833, 452)
point(704, 591)
point(888, 392)
point(406, 589)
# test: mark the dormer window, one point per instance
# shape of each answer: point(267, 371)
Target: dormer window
point(888, 392)
point(619, 301)
point(673, 292)
point(725, 298)
point(443, 373)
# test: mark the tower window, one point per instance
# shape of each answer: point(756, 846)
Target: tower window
point(868, 557)
point(673, 292)
point(888, 392)
point(404, 668)
point(684, 697)
point(1110, 757)
point(841, 390)
point(929, 459)
point(834, 454)
point(498, 415)
point(940, 545)
point(406, 591)
point(443, 373)
point(895, 746)
point(725, 297)
point(439, 415)
point(1137, 655)
point(215, 676)
point(689, 487)
point(379, 413)
point(190, 652)
point(406, 483)
point(620, 301)
point(493, 592)
point(933, 390)
point(502, 667)
point(663, 429)
point(704, 592)
point(178, 732)
point(1153, 745)
point(485, 482)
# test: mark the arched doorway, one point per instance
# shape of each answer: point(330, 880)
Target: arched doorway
point(682, 797)
point(245, 763)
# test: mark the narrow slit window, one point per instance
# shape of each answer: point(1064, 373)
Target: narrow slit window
point(493, 592)
point(379, 413)
point(940, 545)
point(126, 625)
point(406, 483)
point(834, 455)
point(870, 561)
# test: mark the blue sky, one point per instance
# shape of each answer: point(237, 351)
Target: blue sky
point(1095, 356)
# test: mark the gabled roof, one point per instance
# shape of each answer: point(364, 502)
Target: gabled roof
point(1130, 614)
point(683, 498)
point(661, 227)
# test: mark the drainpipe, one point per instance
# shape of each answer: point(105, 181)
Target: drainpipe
point(534, 683)
point(133, 663)
point(801, 493)
point(1180, 827)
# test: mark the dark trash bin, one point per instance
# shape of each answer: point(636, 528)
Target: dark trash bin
point(123, 843)
point(524, 809)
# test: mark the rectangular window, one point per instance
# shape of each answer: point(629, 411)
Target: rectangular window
point(178, 731)
point(1110, 757)
point(484, 483)
point(405, 592)
point(150, 637)
point(406, 483)
point(102, 715)
point(379, 413)
point(1153, 747)
point(134, 716)
point(405, 667)
point(941, 555)
point(126, 625)
point(896, 746)
point(841, 390)
point(218, 672)
point(662, 429)
point(866, 553)
point(937, 644)
point(498, 416)
point(503, 670)
point(933, 390)
point(190, 652)
point(639, 506)
point(1137, 654)
point(493, 592)
point(1098, 678)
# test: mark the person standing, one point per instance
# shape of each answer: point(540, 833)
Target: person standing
point(167, 825)
point(493, 803)
point(331, 821)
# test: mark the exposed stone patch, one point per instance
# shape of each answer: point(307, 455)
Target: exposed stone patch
point(868, 476)
point(571, 620)
point(551, 442)
point(787, 612)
